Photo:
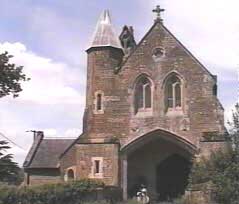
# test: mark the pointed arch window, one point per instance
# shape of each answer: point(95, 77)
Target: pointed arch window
point(143, 95)
point(173, 93)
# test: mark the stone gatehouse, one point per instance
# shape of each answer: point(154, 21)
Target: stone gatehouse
point(150, 107)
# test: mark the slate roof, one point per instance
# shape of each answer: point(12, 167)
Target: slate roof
point(104, 34)
point(45, 153)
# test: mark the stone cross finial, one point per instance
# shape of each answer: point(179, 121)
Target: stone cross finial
point(158, 11)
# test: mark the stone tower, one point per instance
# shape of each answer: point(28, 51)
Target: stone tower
point(104, 56)
point(150, 108)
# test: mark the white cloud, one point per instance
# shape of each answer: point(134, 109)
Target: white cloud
point(74, 132)
point(51, 82)
point(52, 101)
point(69, 133)
point(210, 29)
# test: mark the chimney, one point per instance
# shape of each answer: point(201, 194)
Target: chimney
point(38, 135)
point(131, 29)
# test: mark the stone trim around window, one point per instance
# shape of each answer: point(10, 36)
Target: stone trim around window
point(143, 97)
point(99, 102)
point(70, 174)
point(97, 167)
point(174, 95)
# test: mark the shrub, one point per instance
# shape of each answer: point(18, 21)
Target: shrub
point(187, 199)
point(221, 172)
point(71, 193)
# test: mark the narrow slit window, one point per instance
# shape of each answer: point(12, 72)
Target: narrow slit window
point(97, 167)
point(99, 102)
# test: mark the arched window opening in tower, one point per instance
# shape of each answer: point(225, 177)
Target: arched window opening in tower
point(173, 93)
point(143, 95)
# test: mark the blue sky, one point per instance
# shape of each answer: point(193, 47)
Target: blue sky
point(49, 38)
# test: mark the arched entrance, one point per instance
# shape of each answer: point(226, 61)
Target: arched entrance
point(172, 177)
point(70, 175)
point(161, 161)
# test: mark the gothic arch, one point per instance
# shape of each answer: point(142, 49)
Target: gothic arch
point(143, 93)
point(146, 152)
point(169, 74)
point(174, 91)
point(162, 134)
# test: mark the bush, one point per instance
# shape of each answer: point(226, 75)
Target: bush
point(71, 193)
point(186, 199)
point(221, 172)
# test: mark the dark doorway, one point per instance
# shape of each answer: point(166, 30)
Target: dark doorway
point(172, 177)
point(70, 175)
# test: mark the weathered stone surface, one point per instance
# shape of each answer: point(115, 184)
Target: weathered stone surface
point(113, 133)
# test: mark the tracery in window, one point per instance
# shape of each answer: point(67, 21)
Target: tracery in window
point(143, 95)
point(173, 93)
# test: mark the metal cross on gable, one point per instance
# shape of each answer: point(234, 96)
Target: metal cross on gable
point(158, 11)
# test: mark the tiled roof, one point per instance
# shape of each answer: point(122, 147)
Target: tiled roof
point(104, 34)
point(45, 153)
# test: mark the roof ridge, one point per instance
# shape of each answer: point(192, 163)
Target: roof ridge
point(175, 38)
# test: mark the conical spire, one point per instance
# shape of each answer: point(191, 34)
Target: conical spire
point(104, 34)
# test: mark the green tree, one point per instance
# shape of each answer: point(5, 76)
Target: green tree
point(234, 128)
point(222, 168)
point(10, 76)
point(9, 170)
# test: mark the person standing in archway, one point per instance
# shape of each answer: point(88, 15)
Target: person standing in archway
point(142, 196)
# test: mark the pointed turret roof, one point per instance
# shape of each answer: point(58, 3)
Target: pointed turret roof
point(104, 34)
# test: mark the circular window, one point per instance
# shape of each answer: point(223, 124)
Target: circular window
point(157, 53)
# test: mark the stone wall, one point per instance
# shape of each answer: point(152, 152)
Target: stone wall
point(68, 160)
point(42, 176)
point(207, 147)
point(115, 78)
point(109, 153)
point(201, 110)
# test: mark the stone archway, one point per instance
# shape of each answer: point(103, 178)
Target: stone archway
point(172, 177)
point(145, 159)
point(70, 175)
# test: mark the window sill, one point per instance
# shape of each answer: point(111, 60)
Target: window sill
point(174, 111)
point(98, 175)
point(98, 112)
point(142, 113)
